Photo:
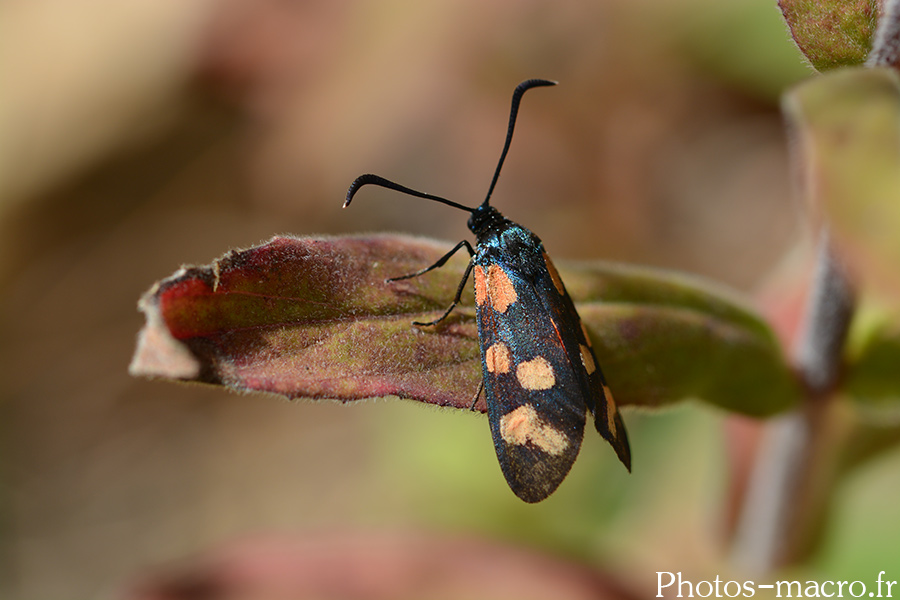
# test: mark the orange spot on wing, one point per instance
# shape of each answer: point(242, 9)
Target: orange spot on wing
point(611, 410)
point(554, 275)
point(500, 289)
point(497, 358)
point(587, 335)
point(587, 359)
point(481, 293)
point(536, 374)
point(523, 425)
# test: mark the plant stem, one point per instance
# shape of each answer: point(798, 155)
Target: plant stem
point(886, 45)
point(790, 485)
point(783, 503)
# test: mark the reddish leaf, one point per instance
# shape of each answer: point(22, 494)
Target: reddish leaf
point(314, 318)
point(831, 33)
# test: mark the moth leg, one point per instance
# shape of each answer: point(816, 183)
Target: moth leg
point(440, 263)
point(459, 291)
point(477, 395)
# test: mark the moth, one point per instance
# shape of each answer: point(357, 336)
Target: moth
point(539, 372)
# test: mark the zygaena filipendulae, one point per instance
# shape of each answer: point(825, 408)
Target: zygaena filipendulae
point(539, 371)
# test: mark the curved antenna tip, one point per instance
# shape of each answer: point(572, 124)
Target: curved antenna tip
point(532, 83)
point(369, 178)
point(358, 183)
point(513, 112)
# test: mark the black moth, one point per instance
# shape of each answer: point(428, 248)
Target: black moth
point(539, 371)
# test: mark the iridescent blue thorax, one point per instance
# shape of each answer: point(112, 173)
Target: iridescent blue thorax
point(499, 237)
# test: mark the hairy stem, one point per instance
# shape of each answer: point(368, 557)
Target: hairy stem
point(787, 491)
point(886, 43)
point(790, 485)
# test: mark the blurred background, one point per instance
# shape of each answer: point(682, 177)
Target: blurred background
point(138, 136)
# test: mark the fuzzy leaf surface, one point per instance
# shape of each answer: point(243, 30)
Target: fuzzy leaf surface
point(831, 33)
point(314, 318)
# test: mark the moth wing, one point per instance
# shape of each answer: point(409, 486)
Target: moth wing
point(578, 348)
point(535, 400)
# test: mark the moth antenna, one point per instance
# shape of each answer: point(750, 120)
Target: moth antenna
point(513, 113)
point(369, 179)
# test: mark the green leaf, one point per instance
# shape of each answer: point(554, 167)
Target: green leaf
point(871, 383)
point(666, 337)
point(847, 130)
point(872, 378)
point(831, 33)
point(314, 318)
